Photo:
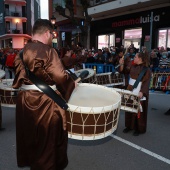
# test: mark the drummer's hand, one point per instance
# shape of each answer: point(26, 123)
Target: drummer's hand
point(75, 84)
point(69, 53)
point(83, 52)
point(121, 61)
point(140, 95)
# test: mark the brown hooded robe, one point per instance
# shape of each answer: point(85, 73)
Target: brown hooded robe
point(41, 134)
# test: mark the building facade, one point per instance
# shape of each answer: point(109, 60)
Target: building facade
point(143, 23)
point(67, 32)
point(16, 20)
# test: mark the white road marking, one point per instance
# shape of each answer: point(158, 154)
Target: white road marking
point(141, 149)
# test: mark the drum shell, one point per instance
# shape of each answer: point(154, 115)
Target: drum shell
point(91, 123)
point(117, 79)
point(104, 79)
point(110, 79)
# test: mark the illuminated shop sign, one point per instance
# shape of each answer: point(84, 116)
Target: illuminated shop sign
point(134, 21)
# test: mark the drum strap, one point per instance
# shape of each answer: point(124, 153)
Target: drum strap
point(140, 77)
point(44, 87)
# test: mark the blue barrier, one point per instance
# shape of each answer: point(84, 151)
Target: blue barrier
point(100, 68)
point(104, 68)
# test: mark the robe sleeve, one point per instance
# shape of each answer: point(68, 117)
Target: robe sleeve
point(55, 69)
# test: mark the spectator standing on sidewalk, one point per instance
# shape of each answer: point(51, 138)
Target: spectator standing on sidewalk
point(154, 61)
point(10, 61)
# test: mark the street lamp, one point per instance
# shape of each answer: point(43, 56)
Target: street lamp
point(53, 20)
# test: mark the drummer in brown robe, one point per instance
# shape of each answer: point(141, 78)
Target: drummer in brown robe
point(69, 62)
point(133, 121)
point(41, 127)
point(128, 61)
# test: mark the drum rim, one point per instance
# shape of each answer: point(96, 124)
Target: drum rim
point(126, 91)
point(102, 74)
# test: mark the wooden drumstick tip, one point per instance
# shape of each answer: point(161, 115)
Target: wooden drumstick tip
point(77, 80)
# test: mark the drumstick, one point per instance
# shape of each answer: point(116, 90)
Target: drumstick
point(82, 75)
point(123, 57)
point(73, 75)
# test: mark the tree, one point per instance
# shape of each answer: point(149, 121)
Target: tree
point(76, 21)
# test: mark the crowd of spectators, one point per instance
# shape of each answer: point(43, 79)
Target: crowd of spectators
point(76, 55)
point(7, 57)
point(159, 57)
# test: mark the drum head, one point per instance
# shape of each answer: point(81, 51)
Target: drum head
point(91, 72)
point(91, 96)
point(2, 73)
point(6, 84)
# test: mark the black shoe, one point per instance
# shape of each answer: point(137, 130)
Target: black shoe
point(126, 130)
point(136, 133)
point(167, 113)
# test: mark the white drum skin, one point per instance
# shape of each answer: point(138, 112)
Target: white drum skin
point(2, 74)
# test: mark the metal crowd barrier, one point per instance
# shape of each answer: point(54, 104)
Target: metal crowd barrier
point(100, 68)
point(160, 80)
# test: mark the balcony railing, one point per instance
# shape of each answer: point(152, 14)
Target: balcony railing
point(13, 14)
point(98, 2)
point(16, 14)
point(14, 31)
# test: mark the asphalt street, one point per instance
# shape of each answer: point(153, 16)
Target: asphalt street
point(149, 151)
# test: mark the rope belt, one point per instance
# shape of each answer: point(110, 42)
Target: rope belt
point(34, 87)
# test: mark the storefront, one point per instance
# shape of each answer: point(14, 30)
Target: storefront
point(148, 28)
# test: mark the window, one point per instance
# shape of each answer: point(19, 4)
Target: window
point(106, 41)
point(133, 33)
point(7, 9)
point(164, 38)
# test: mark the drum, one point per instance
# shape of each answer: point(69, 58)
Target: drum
point(129, 101)
point(8, 95)
point(2, 74)
point(91, 78)
point(117, 79)
point(93, 112)
point(110, 79)
point(104, 79)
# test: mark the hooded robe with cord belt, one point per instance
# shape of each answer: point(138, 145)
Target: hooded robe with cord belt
point(132, 120)
point(41, 126)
